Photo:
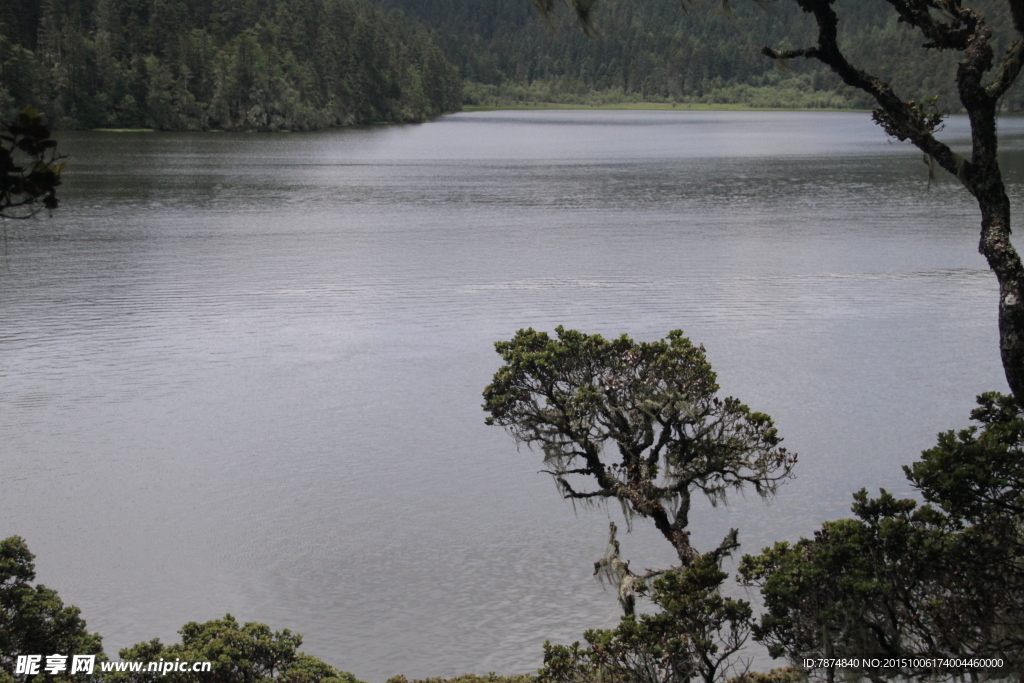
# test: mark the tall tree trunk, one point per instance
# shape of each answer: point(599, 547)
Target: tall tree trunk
point(951, 26)
point(984, 180)
point(995, 246)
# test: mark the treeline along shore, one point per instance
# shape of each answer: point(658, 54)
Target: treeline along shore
point(220, 64)
point(691, 52)
point(311, 64)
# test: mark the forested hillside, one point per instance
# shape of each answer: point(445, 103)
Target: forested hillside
point(663, 50)
point(219, 64)
point(307, 64)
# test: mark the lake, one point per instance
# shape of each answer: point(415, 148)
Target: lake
point(242, 372)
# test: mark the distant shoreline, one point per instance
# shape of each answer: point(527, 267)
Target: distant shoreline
point(540, 106)
point(647, 106)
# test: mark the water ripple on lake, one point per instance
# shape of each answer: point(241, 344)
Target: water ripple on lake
point(242, 373)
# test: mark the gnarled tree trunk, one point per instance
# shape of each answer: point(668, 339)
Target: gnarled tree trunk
point(947, 25)
point(964, 30)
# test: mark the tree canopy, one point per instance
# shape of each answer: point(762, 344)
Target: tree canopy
point(639, 423)
point(199, 65)
point(35, 621)
point(30, 166)
point(239, 653)
point(696, 635)
point(33, 618)
point(650, 50)
point(906, 582)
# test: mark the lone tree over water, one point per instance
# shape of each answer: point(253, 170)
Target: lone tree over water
point(634, 422)
point(641, 424)
point(981, 81)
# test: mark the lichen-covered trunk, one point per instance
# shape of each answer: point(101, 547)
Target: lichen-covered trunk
point(985, 182)
point(995, 246)
point(963, 30)
point(677, 535)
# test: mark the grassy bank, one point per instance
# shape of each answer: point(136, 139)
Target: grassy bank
point(470, 678)
point(643, 106)
point(781, 93)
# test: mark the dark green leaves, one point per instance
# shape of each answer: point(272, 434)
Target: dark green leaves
point(239, 653)
point(696, 634)
point(971, 474)
point(908, 582)
point(637, 421)
point(33, 619)
point(260, 65)
point(30, 167)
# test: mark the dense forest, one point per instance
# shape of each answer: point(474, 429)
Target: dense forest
point(307, 64)
point(672, 51)
point(219, 64)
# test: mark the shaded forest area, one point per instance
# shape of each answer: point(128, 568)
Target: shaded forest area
point(309, 64)
point(219, 64)
point(692, 52)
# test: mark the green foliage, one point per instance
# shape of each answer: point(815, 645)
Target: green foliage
point(870, 586)
point(902, 580)
point(30, 167)
point(469, 678)
point(33, 619)
point(789, 674)
point(977, 477)
point(192, 65)
point(640, 423)
point(925, 116)
point(246, 653)
point(696, 635)
point(658, 51)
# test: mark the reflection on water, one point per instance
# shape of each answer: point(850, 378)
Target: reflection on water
point(242, 373)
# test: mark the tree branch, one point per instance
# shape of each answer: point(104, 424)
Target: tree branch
point(1008, 70)
point(904, 120)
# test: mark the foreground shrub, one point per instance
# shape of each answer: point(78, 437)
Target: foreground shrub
point(468, 678)
point(33, 618)
point(239, 653)
point(698, 634)
point(908, 583)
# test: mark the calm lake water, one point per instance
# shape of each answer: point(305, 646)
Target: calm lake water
point(242, 373)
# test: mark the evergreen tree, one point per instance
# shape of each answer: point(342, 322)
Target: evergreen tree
point(198, 65)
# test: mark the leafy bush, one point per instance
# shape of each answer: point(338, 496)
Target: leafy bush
point(239, 653)
point(469, 678)
point(33, 619)
point(698, 634)
point(907, 582)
